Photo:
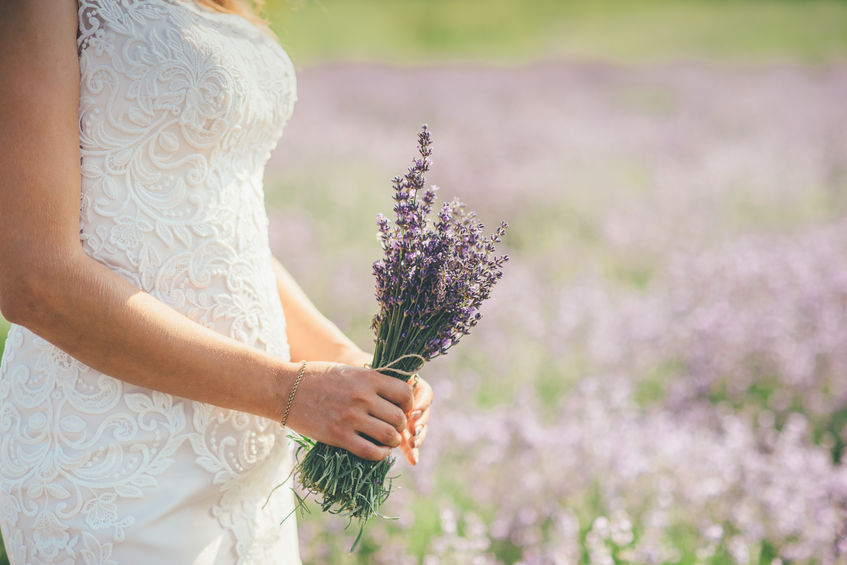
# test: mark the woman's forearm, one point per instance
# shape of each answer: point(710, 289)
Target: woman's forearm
point(102, 320)
point(311, 335)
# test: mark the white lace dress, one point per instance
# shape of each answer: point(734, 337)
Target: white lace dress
point(180, 107)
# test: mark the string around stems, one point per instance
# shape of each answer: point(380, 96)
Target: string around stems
point(389, 366)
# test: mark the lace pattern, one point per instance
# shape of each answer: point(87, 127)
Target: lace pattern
point(180, 107)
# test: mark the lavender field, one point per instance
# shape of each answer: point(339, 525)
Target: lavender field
point(661, 375)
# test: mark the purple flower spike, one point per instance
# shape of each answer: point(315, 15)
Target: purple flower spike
point(430, 284)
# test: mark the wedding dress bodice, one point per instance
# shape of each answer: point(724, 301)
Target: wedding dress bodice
point(180, 107)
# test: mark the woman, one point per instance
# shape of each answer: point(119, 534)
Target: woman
point(155, 341)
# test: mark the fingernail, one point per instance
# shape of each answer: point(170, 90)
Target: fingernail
point(417, 442)
point(418, 429)
point(415, 456)
point(415, 415)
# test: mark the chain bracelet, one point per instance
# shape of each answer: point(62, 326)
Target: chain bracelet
point(293, 392)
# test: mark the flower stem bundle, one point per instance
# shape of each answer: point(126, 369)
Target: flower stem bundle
point(430, 284)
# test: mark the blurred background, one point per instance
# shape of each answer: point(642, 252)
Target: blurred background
point(661, 375)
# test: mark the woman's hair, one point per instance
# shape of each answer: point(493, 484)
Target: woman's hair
point(251, 10)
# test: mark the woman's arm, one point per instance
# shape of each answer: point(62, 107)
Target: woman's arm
point(310, 334)
point(49, 285)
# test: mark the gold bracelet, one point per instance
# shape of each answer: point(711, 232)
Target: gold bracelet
point(293, 392)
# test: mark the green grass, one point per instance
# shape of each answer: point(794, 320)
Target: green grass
point(407, 31)
point(4, 329)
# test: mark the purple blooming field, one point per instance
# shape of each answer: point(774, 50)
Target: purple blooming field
point(661, 374)
point(660, 377)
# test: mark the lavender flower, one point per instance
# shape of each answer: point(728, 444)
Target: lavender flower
point(430, 286)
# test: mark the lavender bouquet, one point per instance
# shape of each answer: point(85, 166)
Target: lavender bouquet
point(429, 285)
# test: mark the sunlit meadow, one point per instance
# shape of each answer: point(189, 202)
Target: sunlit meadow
point(661, 374)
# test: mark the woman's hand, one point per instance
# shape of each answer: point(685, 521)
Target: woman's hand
point(335, 403)
point(417, 419)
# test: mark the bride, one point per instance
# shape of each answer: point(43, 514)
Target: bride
point(157, 348)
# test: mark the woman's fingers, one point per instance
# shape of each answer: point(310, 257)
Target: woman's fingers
point(419, 422)
point(411, 444)
point(418, 418)
point(413, 437)
point(361, 447)
point(389, 413)
point(418, 437)
point(422, 401)
point(406, 448)
point(423, 396)
point(380, 432)
point(394, 390)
